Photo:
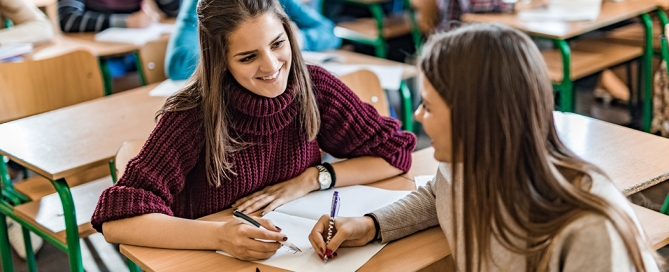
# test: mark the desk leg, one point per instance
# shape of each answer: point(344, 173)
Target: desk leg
point(30, 254)
point(566, 86)
point(647, 72)
point(415, 30)
point(380, 44)
point(71, 227)
point(140, 69)
point(106, 77)
point(407, 107)
point(7, 264)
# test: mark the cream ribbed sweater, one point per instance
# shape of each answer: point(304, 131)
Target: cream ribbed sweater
point(30, 24)
point(589, 243)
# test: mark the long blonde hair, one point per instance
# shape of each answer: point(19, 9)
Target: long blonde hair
point(208, 87)
point(497, 86)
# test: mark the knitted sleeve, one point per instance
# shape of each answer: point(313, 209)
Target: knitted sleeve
point(183, 49)
point(74, 17)
point(351, 128)
point(158, 173)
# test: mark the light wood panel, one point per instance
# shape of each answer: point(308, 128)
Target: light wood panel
point(366, 28)
point(38, 187)
point(152, 57)
point(409, 71)
point(611, 13)
point(367, 87)
point(409, 254)
point(64, 43)
point(635, 35)
point(47, 213)
point(654, 225)
point(67, 141)
point(34, 86)
point(590, 56)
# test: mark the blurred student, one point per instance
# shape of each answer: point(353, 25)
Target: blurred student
point(98, 15)
point(316, 33)
point(30, 25)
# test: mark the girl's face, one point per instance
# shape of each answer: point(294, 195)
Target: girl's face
point(435, 116)
point(259, 56)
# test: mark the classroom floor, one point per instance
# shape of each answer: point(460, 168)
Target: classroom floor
point(100, 256)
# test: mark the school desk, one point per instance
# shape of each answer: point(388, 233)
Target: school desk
point(634, 160)
point(581, 62)
point(426, 250)
point(61, 143)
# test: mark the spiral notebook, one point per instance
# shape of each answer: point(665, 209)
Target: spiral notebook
point(298, 217)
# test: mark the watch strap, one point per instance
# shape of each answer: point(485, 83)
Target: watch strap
point(332, 174)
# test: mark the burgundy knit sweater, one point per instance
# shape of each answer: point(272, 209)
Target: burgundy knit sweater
point(168, 175)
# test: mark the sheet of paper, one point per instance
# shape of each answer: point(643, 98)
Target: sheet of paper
point(355, 201)
point(564, 10)
point(14, 49)
point(297, 230)
point(422, 180)
point(167, 87)
point(321, 57)
point(390, 76)
point(137, 36)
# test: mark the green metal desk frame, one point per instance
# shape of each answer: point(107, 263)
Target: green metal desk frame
point(379, 42)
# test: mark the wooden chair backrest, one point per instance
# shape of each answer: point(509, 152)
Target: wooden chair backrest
point(367, 86)
point(34, 86)
point(125, 153)
point(152, 57)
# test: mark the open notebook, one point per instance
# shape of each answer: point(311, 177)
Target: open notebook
point(298, 217)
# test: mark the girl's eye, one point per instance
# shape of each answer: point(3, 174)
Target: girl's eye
point(424, 107)
point(278, 43)
point(248, 58)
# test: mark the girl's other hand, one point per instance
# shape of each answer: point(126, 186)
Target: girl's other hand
point(276, 195)
point(348, 232)
point(143, 18)
point(242, 241)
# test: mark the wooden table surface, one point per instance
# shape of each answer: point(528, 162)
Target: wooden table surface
point(408, 254)
point(66, 141)
point(611, 13)
point(410, 71)
point(633, 159)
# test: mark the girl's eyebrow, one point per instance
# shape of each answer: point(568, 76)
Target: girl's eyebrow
point(256, 50)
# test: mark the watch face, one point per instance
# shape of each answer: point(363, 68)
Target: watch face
point(324, 179)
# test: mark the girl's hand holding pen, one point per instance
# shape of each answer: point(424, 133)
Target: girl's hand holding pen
point(348, 232)
point(241, 240)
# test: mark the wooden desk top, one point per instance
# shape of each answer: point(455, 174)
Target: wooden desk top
point(611, 12)
point(409, 254)
point(633, 159)
point(63, 43)
point(66, 141)
point(357, 58)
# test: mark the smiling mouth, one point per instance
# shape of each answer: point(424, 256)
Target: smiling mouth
point(272, 76)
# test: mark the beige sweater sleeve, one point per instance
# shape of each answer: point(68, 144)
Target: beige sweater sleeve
point(30, 24)
point(415, 212)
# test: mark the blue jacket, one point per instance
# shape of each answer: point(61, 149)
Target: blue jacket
point(183, 50)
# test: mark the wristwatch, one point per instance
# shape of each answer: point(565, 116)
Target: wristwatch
point(326, 177)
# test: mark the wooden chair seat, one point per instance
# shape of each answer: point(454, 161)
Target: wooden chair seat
point(152, 58)
point(366, 28)
point(590, 56)
point(366, 85)
point(47, 212)
point(37, 187)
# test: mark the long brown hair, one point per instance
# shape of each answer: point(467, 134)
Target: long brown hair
point(208, 87)
point(497, 86)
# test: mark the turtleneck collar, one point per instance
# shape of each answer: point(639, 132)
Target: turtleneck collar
point(258, 115)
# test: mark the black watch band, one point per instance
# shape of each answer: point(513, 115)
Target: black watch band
point(333, 177)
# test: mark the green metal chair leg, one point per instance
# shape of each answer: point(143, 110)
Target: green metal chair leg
point(566, 86)
point(133, 267)
point(407, 107)
point(71, 227)
point(380, 43)
point(30, 255)
point(415, 30)
point(647, 72)
point(5, 251)
point(106, 77)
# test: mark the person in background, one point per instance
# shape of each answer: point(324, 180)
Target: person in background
point(98, 15)
point(316, 33)
point(508, 194)
point(30, 25)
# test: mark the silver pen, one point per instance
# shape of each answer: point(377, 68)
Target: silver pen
point(249, 221)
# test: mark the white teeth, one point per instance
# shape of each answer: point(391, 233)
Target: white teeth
point(272, 76)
